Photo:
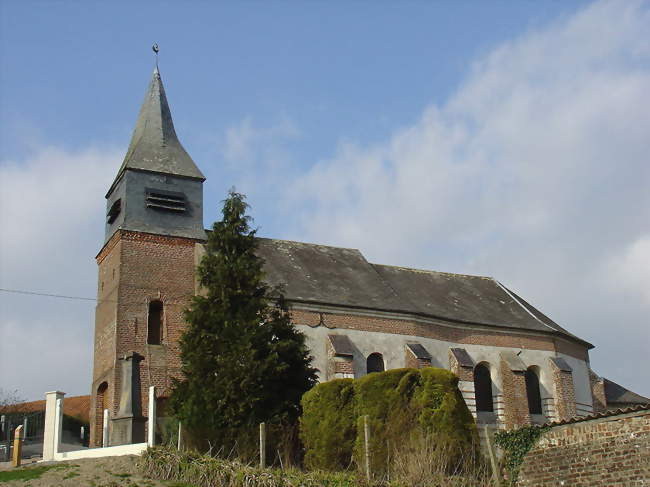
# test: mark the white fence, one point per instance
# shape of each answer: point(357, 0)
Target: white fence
point(54, 427)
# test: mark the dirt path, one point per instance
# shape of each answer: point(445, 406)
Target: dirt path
point(94, 472)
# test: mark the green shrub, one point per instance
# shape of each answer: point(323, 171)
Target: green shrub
point(327, 426)
point(384, 398)
point(401, 405)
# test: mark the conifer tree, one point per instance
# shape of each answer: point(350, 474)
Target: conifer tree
point(243, 360)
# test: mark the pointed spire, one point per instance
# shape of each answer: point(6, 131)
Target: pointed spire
point(154, 145)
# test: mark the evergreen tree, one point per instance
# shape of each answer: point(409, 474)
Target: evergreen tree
point(243, 360)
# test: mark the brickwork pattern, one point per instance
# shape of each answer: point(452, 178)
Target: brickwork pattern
point(565, 397)
point(463, 373)
point(515, 400)
point(455, 334)
point(415, 363)
point(344, 367)
point(597, 392)
point(607, 451)
point(134, 269)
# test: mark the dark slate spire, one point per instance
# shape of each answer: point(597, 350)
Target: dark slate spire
point(154, 145)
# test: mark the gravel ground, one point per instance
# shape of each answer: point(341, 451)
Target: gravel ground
point(92, 472)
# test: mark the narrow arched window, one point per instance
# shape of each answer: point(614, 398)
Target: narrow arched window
point(154, 323)
point(101, 404)
point(375, 363)
point(533, 392)
point(483, 388)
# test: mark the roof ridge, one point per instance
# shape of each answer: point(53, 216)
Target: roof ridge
point(430, 271)
point(310, 243)
point(514, 298)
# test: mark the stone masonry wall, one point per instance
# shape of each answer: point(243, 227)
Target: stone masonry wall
point(613, 450)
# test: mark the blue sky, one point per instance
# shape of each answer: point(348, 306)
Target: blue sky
point(495, 138)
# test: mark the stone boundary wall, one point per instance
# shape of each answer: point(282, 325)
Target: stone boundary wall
point(612, 450)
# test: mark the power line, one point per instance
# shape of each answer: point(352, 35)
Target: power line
point(170, 297)
point(34, 293)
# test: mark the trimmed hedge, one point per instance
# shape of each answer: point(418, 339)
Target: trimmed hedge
point(401, 405)
point(328, 416)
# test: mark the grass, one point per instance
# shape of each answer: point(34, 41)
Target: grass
point(121, 475)
point(29, 473)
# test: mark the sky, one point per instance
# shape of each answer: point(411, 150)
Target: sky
point(506, 138)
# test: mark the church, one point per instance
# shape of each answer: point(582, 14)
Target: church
point(515, 365)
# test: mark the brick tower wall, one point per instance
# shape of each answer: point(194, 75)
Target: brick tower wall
point(135, 269)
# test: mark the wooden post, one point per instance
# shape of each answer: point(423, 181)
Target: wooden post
point(496, 475)
point(262, 445)
point(18, 447)
point(179, 443)
point(366, 437)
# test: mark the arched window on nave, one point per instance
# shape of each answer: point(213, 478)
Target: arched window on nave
point(483, 388)
point(375, 363)
point(533, 391)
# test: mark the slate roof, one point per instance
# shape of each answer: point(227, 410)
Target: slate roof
point(462, 357)
point(617, 394)
point(342, 345)
point(154, 144)
point(321, 274)
point(419, 351)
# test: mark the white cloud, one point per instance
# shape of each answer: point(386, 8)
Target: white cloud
point(630, 270)
point(535, 171)
point(250, 144)
point(51, 209)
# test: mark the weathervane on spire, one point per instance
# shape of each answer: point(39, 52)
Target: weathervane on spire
point(156, 49)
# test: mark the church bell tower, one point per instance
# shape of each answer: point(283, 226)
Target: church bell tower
point(154, 222)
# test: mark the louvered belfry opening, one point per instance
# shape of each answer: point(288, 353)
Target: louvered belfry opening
point(114, 211)
point(166, 201)
point(154, 323)
point(483, 388)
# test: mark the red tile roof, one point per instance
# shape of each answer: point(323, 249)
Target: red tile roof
point(76, 406)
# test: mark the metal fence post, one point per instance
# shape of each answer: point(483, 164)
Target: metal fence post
point(262, 445)
point(179, 443)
